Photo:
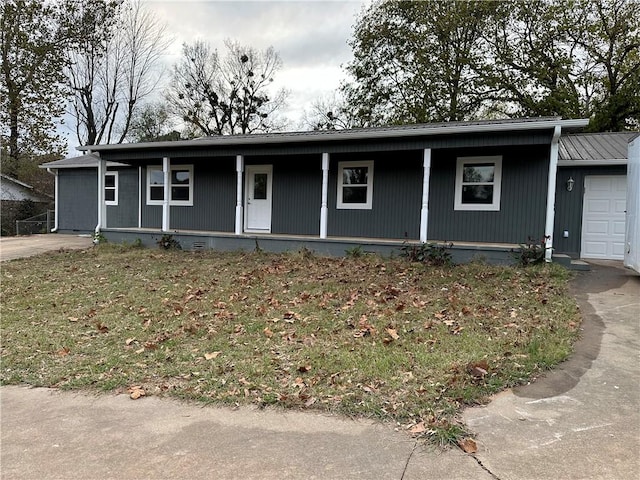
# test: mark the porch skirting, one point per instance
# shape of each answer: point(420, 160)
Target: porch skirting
point(462, 252)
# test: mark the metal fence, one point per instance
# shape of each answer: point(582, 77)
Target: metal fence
point(42, 223)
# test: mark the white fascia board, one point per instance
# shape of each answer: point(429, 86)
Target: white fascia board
point(592, 163)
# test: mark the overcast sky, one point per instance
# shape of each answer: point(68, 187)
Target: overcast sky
point(310, 36)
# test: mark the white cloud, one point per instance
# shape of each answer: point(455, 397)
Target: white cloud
point(310, 36)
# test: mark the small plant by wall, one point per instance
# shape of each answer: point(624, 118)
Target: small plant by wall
point(354, 252)
point(530, 253)
point(429, 253)
point(167, 242)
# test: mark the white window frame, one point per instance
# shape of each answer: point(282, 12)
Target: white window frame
point(114, 188)
point(156, 168)
point(368, 205)
point(494, 206)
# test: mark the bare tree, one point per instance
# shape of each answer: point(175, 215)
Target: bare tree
point(330, 112)
point(110, 74)
point(229, 95)
point(33, 38)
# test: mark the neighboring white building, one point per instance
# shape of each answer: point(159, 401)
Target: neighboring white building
point(16, 191)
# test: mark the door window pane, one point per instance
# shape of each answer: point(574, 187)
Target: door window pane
point(260, 186)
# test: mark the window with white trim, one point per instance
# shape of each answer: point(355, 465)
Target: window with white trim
point(181, 185)
point(111, 188)
point(355, 185)
point(478, 183)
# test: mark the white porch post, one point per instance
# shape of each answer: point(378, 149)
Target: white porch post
point(102, 211)
point(551, 194)
point(324, 210)
point(139, 197)
point(56, 193)
point(239, 208)
point(424, 211)
point(166, 209)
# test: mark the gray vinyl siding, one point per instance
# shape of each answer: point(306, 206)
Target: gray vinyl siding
point(569, 205)
point(125, 214)
point(396, 203)
point(78, 199)
point(523, 199)
point(473, 140)
point(214, 199)
point(297, 195)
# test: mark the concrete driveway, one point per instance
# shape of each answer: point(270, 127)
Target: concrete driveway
point(580, 421)
point(27, 246)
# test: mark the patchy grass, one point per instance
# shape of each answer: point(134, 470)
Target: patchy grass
point(362, 336)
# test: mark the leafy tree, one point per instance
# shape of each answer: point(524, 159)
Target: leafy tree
point(230, 95)
point(418, 61)
point(532, 65)
point(575, 58)
point(610, 38)
point(32, 39)
point(438, 61)
point(112, 70)
point(152, 123)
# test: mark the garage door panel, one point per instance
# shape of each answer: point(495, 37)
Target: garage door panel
point(595, 227)
point(594, 249)
point(618, 228)
point(618, 249)
point(600, 184)
point(620, 184)
point(603, 217)
point(599, 206)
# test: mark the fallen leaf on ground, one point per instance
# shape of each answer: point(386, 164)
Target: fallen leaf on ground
point(135, 392)
point(63, 352)
point(102, 328)
point(393, 333)
point(212, 355)
point(468, 445)
point(418, 428)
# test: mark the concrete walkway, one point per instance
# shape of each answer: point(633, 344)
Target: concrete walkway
point(581, 421)
point(27, 246)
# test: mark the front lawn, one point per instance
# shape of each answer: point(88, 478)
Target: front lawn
point(363, 336)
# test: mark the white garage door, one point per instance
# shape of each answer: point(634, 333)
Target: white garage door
point(603, 217)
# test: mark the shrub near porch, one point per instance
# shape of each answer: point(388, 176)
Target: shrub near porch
point(363, 336)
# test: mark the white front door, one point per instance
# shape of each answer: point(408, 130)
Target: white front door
point(258, 198)
point(603, 217)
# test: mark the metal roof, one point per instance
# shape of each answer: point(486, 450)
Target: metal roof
point(594, 148)
point(402, 131)
point(89, 160)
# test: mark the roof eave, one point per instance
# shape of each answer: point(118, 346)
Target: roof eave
point(342, 135)
point(592, 163)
